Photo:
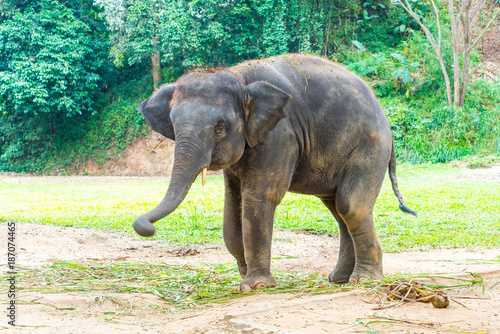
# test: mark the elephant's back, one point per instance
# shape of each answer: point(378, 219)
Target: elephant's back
point(316, 84)
point(333, 113)
point(326, 98)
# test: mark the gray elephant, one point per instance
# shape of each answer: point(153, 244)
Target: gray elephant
point(287, 123)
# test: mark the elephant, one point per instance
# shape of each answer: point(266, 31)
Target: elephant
point(296, 123)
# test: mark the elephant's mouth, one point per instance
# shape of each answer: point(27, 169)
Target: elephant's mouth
point(217, 162)
point(222, 159)
point(216, 166)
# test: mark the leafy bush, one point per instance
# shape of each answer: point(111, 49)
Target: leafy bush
point(105, 135)
point(434, 132)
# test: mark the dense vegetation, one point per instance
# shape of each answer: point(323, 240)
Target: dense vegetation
point(73, 71)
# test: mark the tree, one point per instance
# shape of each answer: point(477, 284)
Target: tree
point(50, 62)
point(47, 61)
point(466, 12)
point(134, 28)
point(190, 33)
point(462, 14)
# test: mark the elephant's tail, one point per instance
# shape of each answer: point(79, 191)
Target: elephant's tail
point(394, 182)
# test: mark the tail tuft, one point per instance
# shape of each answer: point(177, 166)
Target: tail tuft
point(394, 182)
point(406, 209)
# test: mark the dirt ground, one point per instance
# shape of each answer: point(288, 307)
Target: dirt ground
point(41, 245)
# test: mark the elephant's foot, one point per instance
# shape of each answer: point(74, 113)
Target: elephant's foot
point(339, 276)
point(242, 268)
point(360, 275)
point(343, 270)
point(257, 282)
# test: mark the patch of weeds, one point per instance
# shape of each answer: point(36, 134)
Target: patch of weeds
point(474, 161)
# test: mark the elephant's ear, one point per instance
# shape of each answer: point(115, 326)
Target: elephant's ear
point(156, 111)
point(264, 108)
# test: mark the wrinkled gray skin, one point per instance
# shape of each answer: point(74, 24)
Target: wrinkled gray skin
point(289, 123)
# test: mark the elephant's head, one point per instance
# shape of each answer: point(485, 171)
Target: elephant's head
point(212, 116)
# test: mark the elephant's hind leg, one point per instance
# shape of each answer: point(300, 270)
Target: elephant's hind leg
point(355, 200)
point(347, 257)
point(367, 249)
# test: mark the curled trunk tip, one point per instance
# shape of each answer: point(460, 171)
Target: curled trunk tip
point(143, 227)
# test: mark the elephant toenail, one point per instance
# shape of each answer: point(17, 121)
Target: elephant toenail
point(260, 285)
point(245, 288)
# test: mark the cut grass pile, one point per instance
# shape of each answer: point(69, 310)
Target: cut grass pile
point(452, 212)
point(181, 286)
point(186, 286)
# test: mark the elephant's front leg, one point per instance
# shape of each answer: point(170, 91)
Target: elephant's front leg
point(258, 216)
point(232, 229)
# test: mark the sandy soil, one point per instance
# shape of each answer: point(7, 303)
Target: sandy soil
point(40, 245)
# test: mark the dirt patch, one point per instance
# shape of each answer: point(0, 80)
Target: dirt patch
point(23, 178)
point(150, 155)
point(489, 46)
point(491, 173)
point(94, 312)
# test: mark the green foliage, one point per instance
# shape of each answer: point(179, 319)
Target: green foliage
point(377, 66)
point(214, 33)
point(410, 86)
point(64, 79)
point(50, 67)
point(431, 131)
point(49, 61)
point(105, 135)
point(62, 102)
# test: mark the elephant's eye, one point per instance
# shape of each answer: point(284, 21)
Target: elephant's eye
point(220, 128)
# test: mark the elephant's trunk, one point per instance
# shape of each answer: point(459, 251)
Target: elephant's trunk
point(189, 160)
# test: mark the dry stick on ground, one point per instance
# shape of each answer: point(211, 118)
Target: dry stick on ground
point(459, 303)
point(411, 322)
point(382, 319)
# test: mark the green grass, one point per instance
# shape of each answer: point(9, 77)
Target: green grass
point(452, 213)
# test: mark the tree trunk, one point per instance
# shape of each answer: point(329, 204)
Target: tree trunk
point(465, 71)
point(446, 77)
point(155, 61)
point(455, 38)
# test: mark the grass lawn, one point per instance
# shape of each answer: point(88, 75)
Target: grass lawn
point(452, 212)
